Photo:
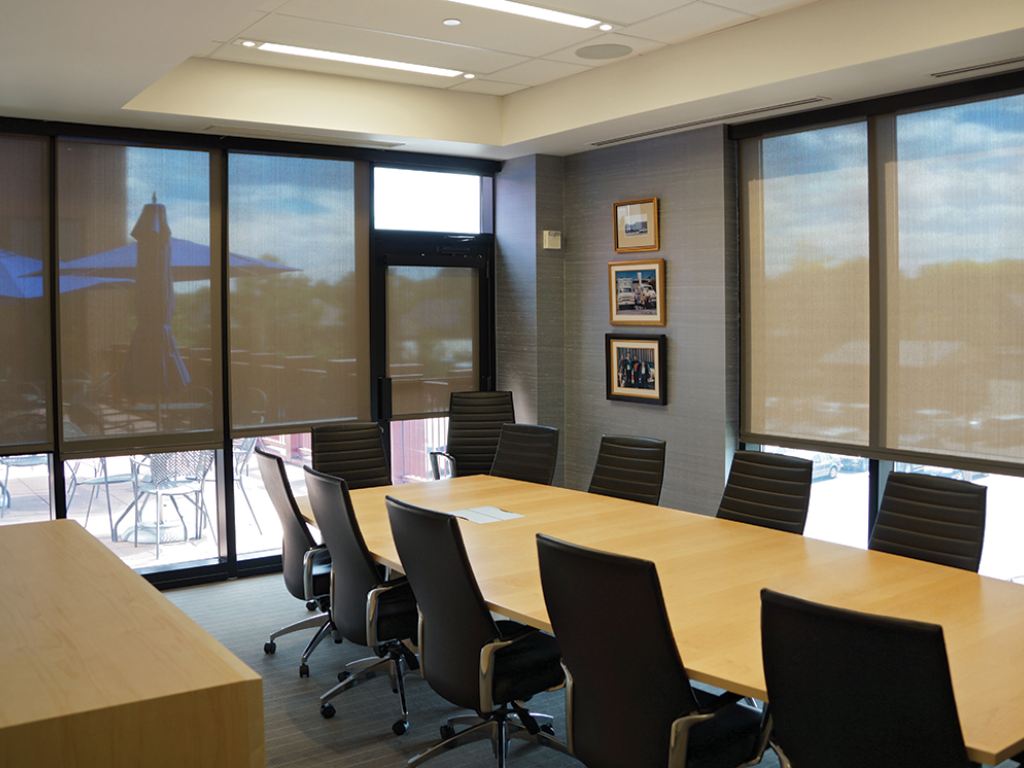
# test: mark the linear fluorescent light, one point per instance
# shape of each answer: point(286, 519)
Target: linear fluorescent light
point(348, 58)
point(534, 12)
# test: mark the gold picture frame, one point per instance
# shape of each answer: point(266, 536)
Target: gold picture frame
point(636, 225)
point(636, 292)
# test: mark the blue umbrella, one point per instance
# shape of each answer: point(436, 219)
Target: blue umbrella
point(21, 278)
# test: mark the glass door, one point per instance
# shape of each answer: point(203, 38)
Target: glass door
point(433, 320)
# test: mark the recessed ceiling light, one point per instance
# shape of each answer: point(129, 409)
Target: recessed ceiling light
point(533, 11)
point(348, 58)
point(249, 43)
point(452, 22)
point(469, 75)
point(605, 27)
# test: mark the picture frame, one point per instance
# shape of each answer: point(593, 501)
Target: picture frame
point(635, 369)
point(636, 225)
point(636, 292)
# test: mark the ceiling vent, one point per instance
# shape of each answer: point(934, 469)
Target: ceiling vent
point(309, 138)
point(708, 121)
point(979, 67)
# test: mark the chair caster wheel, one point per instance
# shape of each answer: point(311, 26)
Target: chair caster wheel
point(312, 605)
point(343, 676)
point(303, 670)
point(327, 711)
point(270, 647)
point(400, 727)
point(447, 731)
point(548, 728)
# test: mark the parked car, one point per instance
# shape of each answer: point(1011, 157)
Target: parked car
point(955, 474)
point(853, 463)
point(825, 465)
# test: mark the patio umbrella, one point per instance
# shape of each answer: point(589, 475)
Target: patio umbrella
point(21, 277)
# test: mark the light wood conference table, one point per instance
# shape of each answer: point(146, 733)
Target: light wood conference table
point(97, 668)
point(712, 572)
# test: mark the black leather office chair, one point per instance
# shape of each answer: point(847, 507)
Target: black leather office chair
point(467, 657)
point(768, 489)
point(644, 713)
point(353, 451)
point(629, 468)
point(306, 565)
point(850, 689)
point(365, 609)
point(526, 452)
point(474, 423)
point(931, 518)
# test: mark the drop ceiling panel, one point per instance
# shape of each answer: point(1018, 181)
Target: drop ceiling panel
point(337, 37)
point(617, 12)
point(761, 7)
point(689, 21)
point(639, 45)
point(536, 72)
point(422, 19)
point(490, 87)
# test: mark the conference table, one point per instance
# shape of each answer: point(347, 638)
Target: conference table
point(97, 668)
point(712, 572)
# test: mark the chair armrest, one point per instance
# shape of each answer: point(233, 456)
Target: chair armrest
point(680, 733)
point(434, 455)
point(312, 557)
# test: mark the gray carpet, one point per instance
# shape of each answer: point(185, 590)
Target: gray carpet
point(242, 613)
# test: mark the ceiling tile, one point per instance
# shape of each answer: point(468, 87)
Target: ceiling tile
point(639, 45)
point(760, 7)
point(422, 19)
point(684, 23)
point(487, 86)
point(536, 72)
point(615, 11)
point(337, 37)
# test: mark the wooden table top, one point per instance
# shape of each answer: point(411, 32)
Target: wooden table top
point(712, 572)
point(82, 634)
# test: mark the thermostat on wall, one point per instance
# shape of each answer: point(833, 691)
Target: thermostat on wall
point(552, 240)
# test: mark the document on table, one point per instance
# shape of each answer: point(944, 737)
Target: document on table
point(483, 514)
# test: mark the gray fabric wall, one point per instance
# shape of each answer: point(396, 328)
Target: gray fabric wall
point(693, 176)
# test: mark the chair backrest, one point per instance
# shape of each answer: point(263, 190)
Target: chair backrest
point(353, 572)
point(456, 622)
point(931, 518)
point(474, 423)
point(629, 468)
point(353, 451)
point(601, 604)
point(526, 452)
point(170, 469)
point(296, 539)
point(768, 489)
point(850, 689)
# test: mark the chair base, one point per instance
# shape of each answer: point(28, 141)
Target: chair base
point(500, 726)
point(322, 621)
point(361, 669)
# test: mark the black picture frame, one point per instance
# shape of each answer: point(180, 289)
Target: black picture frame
point(642, 358)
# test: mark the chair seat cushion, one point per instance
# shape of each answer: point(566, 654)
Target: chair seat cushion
point(528, 666)
point(397, 617)
point(728, 739)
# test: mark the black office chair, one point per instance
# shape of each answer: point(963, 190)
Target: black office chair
point(468, 658)
point(629, 468)
point(305, 564)
point(768, 489)
point(474, 423)
point(850, 689)
point(644, 713)
point(353, 451)
point(526, 452)
point(931, 518)
point(365, 609)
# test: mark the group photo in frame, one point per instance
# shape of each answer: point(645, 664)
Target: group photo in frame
point(636, 292)
point(636, 225)
point(635, 368)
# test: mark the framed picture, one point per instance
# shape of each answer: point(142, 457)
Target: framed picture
point(636, 225)
point(635, 368)
point(636, 292)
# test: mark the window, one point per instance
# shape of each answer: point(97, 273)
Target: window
point(412, 441)
point(257, 526)
point(426, 201)
point(299, 296)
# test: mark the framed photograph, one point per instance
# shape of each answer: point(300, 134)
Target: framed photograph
point(636, 292)
point(636, 225)
point(635, 368)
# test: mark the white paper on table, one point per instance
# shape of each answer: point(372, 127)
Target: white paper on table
point(483, 515)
